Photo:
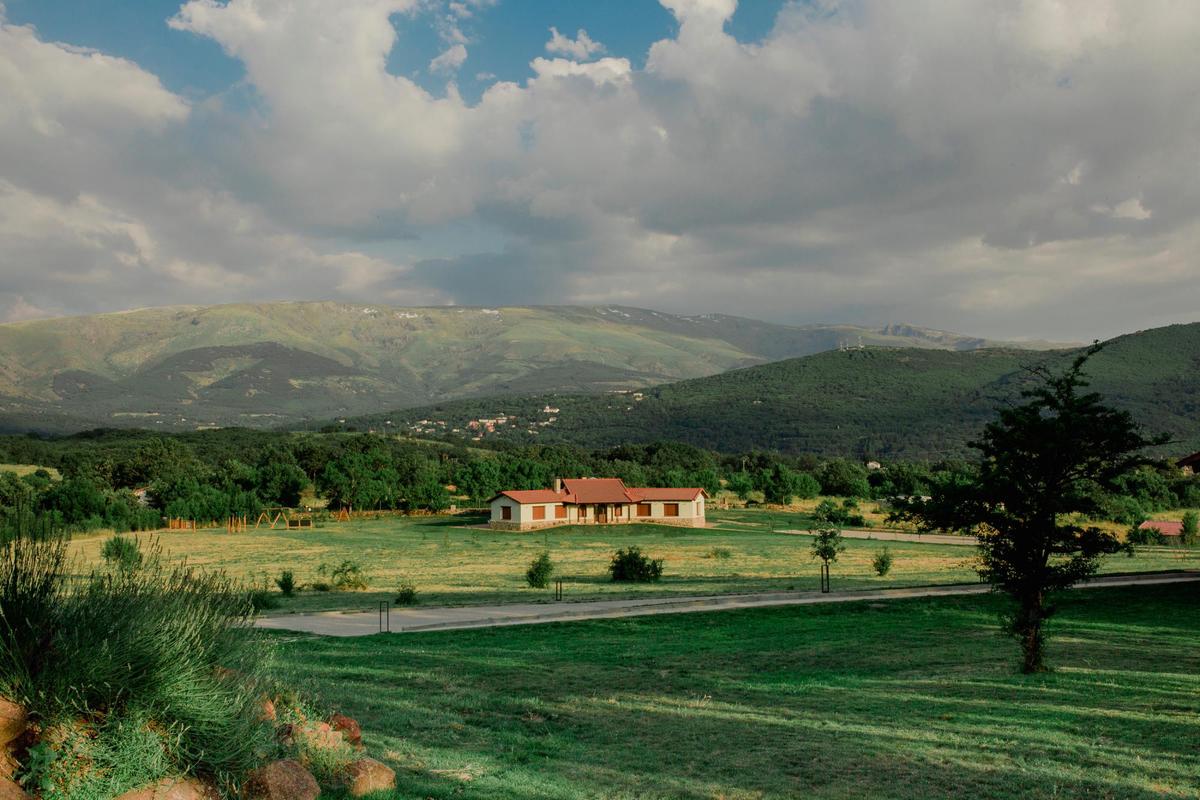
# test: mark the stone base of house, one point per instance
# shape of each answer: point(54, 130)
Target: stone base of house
point(526, 526)
point(680, 522)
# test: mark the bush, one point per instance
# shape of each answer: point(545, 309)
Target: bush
point(882, 562)
point(346, 577)
point(1188, 535)
point(723, 553)
point(539, 572)
point(122, 552)
point(632, 566)
point(262, 599)
point(126, 648)
point(406, 594)
point(321, 586)
point(286, 583)
point(847, 514)
point(1144, 536)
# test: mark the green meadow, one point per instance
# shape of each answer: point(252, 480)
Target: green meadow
point(915, 699)
point(451, 560)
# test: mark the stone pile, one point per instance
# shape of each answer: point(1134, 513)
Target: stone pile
point(285, 779)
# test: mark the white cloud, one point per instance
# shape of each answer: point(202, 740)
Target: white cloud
point(449, 60)
point(973, 165)
point(580, 48)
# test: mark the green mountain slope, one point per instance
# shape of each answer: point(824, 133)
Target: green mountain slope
point(870, 402)
point(284, 363)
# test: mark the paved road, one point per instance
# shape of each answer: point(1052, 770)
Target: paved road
point(900, 536)
point(410, 620)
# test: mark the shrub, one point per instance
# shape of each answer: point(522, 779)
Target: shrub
point(286, 583)
point(631, 565)
point(847, 514)
point(406, 594)
point(122, 552)
point(723, 553)
point(262, 599)
point(539, 572)
point(124, 648)
point(1144, 536)
point(1188, 535)
point(347, 576)
point(320, 586)
point(882, 562)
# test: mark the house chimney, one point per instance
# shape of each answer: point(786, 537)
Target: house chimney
point(558, 484)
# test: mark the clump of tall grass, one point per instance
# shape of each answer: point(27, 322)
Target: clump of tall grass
point(157, 642)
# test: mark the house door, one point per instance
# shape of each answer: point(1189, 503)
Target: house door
point(602, 515)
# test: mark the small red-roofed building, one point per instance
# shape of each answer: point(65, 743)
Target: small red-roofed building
point(1164, 526)
point(596, 501)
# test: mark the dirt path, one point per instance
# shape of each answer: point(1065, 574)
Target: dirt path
point(411, 620)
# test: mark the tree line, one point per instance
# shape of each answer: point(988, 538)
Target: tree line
point(130, 480)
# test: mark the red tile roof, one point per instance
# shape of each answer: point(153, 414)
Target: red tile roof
point(597, 490)
point(666, 494)
point(1165, 527)
point(533, 496)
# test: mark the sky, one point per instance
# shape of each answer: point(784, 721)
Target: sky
point(1004, 168)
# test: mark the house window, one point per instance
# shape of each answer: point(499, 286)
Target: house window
point(643, 509)
point(670, 509)
point(505, 512)
point(560, 512)
point(539, 512)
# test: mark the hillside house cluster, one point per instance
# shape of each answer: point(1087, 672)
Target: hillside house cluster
point(596, 501)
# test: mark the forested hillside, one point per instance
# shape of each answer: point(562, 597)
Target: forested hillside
point(870, 402)
point(271, 364)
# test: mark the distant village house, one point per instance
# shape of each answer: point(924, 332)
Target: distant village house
point(596, 501)
point(1163, 526)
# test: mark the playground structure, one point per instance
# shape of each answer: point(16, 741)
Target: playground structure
point(290, 518)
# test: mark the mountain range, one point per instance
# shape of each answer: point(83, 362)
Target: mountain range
point(288, 363)
point(868, 402)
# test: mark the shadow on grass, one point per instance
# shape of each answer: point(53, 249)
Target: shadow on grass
point(917, 698)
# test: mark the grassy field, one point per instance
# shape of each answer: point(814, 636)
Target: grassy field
point(29, 469)
point(452, 563)
point(915, 698)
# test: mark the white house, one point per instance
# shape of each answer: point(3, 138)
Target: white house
point(596, 501)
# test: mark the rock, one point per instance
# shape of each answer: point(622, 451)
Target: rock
point(348, 728)
point(8, 764)
point(173, 789)
point(320, 736)
point(12, 721)
point(281, 780)
point(11, 791)
point(367, 776)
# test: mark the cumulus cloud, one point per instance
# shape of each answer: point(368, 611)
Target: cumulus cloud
point(580, 48)
point(1003, 168)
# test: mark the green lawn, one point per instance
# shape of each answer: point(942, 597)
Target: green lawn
point(913, 699)
point(453, 564)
